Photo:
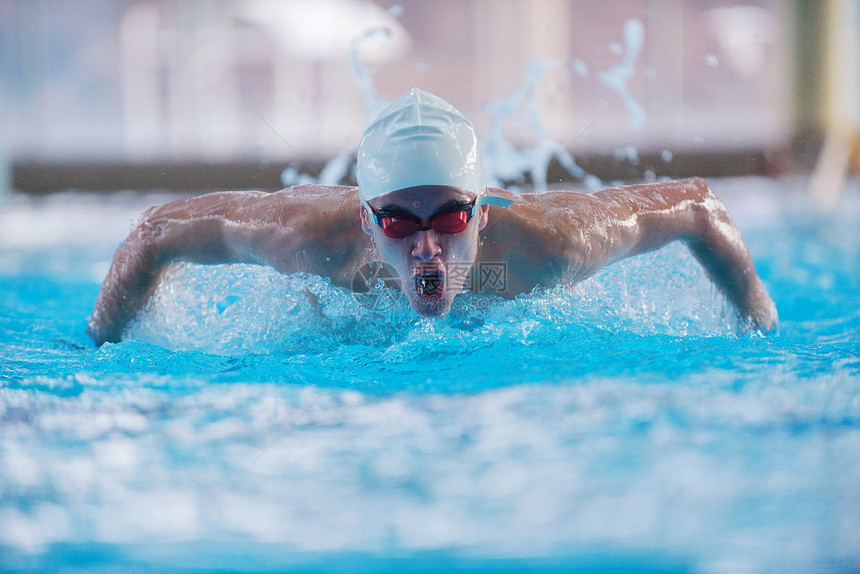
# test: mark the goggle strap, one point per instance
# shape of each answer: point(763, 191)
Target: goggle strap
point(492, 200)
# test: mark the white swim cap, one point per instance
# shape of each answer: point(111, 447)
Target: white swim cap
point(420, 139)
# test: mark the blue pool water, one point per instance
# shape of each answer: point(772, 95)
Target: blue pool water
point(619, 424)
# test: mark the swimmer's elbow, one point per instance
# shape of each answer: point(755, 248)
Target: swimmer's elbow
point(161, 237)
point(695, 188)
point(148, 233)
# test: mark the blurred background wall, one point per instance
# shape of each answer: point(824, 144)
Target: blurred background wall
point(125, 90)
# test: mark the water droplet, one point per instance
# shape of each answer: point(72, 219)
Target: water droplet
point(629, 153)
point(666, 155)
point(593, 183)
point(580, 68)
point(632, 154)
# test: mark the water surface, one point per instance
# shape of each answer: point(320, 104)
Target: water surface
point(621, 423)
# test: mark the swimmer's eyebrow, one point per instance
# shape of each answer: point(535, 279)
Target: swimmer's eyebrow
point(453, 205)
point(394, 209)
point(456, 204)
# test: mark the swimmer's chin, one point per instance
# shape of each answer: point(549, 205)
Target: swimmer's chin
point(430, 289)
point(431, 309)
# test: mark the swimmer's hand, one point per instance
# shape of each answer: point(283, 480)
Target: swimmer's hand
point(132, 277)
point(760, 311)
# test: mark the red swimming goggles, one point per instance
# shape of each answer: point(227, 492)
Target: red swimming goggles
point(399, 225)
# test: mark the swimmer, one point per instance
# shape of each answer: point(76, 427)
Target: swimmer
point(421, 203)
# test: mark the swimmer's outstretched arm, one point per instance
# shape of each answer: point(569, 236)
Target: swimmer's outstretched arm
point(652, 215)
point(615, 223)
point(306, 228)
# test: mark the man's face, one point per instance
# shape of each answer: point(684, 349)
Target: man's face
point(432, 265)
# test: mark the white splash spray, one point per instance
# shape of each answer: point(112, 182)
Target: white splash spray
point(505, 163)
point(617, 78)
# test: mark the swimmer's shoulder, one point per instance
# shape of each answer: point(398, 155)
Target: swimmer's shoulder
point(321, 200)
point(535, 208)
point(549, 224)
point(313, 191)
point(285, 207)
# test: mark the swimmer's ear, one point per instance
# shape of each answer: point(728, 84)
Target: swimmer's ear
point(483, 214)
point(365, 220)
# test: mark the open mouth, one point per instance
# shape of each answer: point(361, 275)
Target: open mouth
point(430, 285)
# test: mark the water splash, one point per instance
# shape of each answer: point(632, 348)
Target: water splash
point(338, 169)
point(505, 163)
point(617, 78)
point(373, 102)
point(259, 311)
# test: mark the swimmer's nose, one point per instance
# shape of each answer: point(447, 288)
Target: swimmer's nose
point(427, 246)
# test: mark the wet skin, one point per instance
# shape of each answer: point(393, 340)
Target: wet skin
point(543, 239)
